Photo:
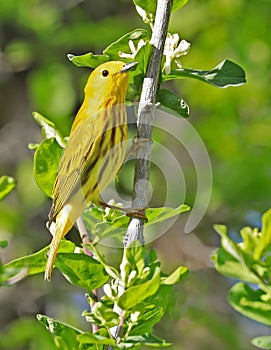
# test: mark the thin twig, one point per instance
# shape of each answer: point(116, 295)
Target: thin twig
point(145, 119)
point(85, 240)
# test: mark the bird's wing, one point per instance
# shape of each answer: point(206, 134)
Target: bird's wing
point(73, 161)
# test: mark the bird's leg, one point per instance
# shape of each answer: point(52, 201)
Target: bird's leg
point(130, 212)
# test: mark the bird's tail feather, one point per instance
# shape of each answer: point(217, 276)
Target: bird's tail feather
point(58, 230)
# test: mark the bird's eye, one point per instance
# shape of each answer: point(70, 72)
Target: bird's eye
point(105, 73)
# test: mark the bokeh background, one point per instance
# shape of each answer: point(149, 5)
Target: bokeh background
point(234, 124)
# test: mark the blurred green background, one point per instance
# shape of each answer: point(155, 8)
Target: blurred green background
point(35, 74)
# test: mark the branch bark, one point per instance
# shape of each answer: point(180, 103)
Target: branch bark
point(145, 120)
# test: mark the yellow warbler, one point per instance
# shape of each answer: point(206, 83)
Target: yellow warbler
point(94, 153)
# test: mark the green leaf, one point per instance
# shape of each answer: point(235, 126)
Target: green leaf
point(102, 316)
point(227, 73)
point(147, 319)
point(118, 226)
point(178, 275)
point(227, 265)
point(230, 247)
point(265, 237)
point(145, 339)
point(177, 4)
point(122, 44)
point(147, 5)
point(3, 244)
point(250, 302)
point(111, 271)
point(112, 51)
point(82, 270)
point(156, 215)
point(46, 163)
point(49, 130)
point(88, 60)
point(32, 264)
point(250, 240)
point(132, 262)
point(171, 103)
point(150, 5)
point(263, 342)
point(56, 327)
point(7, 184)
point(136, 294)
point(88, 338)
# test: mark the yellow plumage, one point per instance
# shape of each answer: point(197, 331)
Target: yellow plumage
point(94, 153)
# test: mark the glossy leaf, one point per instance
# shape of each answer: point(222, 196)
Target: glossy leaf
point(229, 266)
point(82, 270)
point(46, 163)
point(112, 51)
point(265, 237)
point(147, 319)
point(7, 184)
point(227, 73)
point(88, 60)
point(32, 264)
point(118, 226)
point(263, 342)
point(230, 247)
point(178, 275)
point(250, 302)
point(56, 327)
point(48, 129)
point(150, 5)
point(133, 261)
point(88, 338)
point(136, 294)
point(111, 271)
point(145, 339)
point(122, 44)
point(156, 215)
point(171, 103)
point(102, 316)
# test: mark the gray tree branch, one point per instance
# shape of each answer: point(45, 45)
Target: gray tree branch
point(145, 120)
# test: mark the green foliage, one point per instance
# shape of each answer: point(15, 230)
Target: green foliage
point(171, 103)
point(81, 270)
point(136, 295)
point(30, 264)
point(248, 261)
point(262, 342)
point(111, 223)
point(7, 184)
point(226, 73)
point(139, 291)
point(47, 154)
point(150, 5)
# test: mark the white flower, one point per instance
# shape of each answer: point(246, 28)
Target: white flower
point(134, 316)
point(134, 50)
point(146, 16)
point(173, 50)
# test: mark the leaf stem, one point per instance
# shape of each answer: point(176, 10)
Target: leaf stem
point(145, 119)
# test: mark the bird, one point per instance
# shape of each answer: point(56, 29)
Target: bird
point(94, 153)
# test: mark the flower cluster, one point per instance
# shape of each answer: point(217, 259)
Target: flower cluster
point(173, 50)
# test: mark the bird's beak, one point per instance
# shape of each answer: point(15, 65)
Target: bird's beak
point(128, 66)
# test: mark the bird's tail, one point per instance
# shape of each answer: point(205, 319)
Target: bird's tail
point(58, 229)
